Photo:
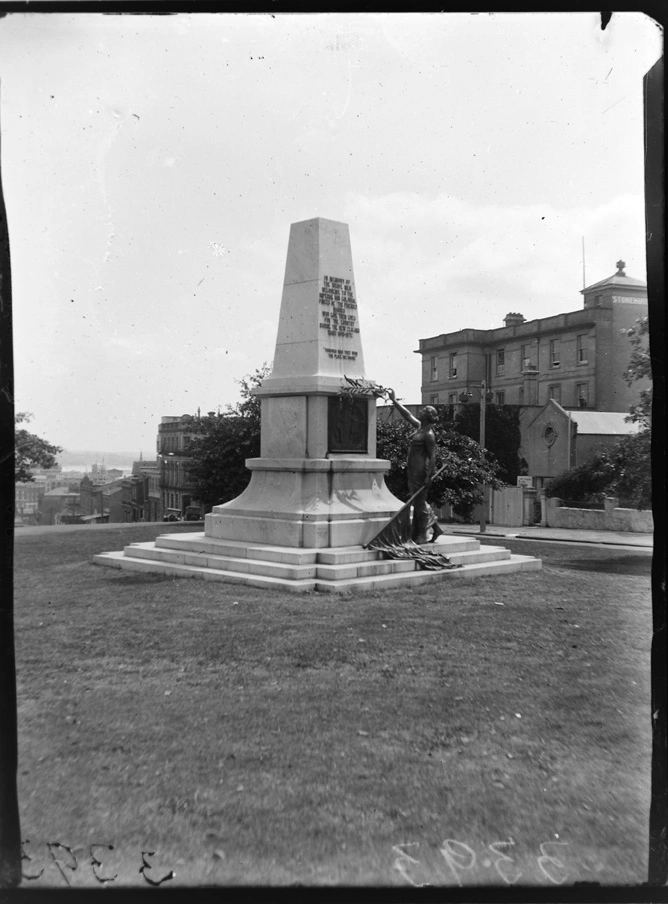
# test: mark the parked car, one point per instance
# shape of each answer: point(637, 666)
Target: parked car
point(172, 516)
point(193, 513)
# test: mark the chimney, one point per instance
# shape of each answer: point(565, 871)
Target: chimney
point(513, 319)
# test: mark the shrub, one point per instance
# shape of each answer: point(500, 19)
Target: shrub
point(633, 472)
point(467, 468)
point(586, 483)
point(623, 471)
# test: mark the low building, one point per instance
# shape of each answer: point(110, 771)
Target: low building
point(56, 504)
point(556, 440)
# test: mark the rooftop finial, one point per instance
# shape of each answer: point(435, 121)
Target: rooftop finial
point(620, 268)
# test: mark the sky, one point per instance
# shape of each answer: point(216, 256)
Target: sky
point(152, 166)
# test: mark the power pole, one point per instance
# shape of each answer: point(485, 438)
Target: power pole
point(483, 412)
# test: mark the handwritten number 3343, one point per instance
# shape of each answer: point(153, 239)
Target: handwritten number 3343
point(460, 856)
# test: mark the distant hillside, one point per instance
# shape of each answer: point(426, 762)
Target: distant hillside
point(71, 458)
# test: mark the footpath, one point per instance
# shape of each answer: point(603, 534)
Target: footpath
point(606, 537)
point(565, 535)
point(27, 531)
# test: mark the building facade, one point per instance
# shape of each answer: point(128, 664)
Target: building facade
point(26, 501)
point(58, 504)
point(578, 358)
point(556, 440)
point(141, 492)
point(101, 502)
point(175, 436)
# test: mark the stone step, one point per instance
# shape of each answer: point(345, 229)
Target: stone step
point(153, 566)
point(131, 562)
point(483, 554)
point(368, 564)
point(364, 569)
point(375, 565)
point(197, 542)
point(506, 566)
point(150, 551)
point(345, 571)
point(340, 555)
point(346, 555)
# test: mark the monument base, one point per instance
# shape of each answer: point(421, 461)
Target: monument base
point(310, 503)
point(302, 570)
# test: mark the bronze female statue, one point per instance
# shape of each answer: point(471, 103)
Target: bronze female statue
point(420, 467)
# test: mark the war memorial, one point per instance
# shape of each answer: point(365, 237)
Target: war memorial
point(317, 496)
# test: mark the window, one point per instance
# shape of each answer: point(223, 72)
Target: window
point(500, 398)
point(554, 392)
point(582, 349)
point(433, 399)
point(598, 300)
point(452, 398)
point(434, 368)
point(501, 361)
point(549, 435)
point(582, 392)
point(521, 395)
point(554, 353)
point(453, 365)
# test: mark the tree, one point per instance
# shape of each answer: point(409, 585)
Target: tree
point(467, 467)
point(502, 435)
point(589, 482)
point(640, 368)
point(633, 473)
point(31, 451)
point(218, 468)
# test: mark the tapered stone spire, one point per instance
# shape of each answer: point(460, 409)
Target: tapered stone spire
point(319, 339)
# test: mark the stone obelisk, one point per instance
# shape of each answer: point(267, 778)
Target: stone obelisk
point(318, 482)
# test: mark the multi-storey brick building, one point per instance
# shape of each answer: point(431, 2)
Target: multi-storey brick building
point(27, 498)
point(101, 501)
point(175, 435)
point(141, 492)
point(578, 358)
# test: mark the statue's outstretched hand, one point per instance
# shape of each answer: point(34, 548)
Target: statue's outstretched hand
point(392, 395)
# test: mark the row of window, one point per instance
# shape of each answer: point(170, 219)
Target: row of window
point(553, 392)
point(175, 442)
point(554, 358)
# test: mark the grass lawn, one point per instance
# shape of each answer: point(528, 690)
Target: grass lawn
point(489, 731)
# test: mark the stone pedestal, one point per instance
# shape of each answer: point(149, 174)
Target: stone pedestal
point(318, 482)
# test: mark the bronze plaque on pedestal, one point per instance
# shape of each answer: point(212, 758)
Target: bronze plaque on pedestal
point(347, 424)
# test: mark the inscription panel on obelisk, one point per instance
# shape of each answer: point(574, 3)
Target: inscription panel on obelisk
point(338, 316)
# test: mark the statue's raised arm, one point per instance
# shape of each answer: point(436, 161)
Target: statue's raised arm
point(404, 412)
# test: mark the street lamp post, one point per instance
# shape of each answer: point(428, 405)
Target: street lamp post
point(483, 403)
point(485, 396)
